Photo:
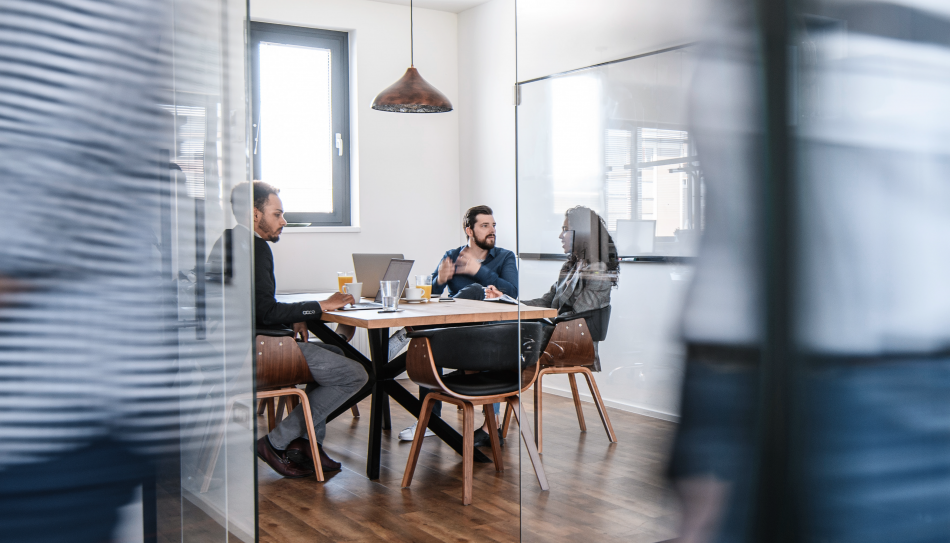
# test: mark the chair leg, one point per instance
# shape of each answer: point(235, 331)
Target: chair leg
point(577, 402)
point(468, 452)
point(294, 402)
point(281, 403)
point(271, 416)
point(528, 442)
point(537, 413)
point(261, 406)
point(355, 410)
point(600, 405)
point(417, 441)
point(311, 433)
point(506, 422)
point(493, 436)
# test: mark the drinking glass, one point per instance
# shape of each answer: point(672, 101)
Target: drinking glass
point(389, 291)
point(343, 278)
point(425, 283)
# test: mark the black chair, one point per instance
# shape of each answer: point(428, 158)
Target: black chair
point(487, 359)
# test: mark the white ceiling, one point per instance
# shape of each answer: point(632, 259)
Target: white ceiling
point(455, 6)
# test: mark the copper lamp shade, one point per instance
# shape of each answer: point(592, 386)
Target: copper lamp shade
point(412, 94)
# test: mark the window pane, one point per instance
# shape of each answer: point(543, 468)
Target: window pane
point(296, 131)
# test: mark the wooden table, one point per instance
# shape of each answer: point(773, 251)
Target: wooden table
point(382, 373)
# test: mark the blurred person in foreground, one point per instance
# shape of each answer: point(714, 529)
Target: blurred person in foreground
point(87, 369)
point(337, 378)
point(871, 130)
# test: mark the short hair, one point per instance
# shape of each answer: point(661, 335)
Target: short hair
point(468, 220)
point(262, 192)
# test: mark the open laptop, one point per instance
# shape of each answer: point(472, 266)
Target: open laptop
point(398, 270)
point(370, 268)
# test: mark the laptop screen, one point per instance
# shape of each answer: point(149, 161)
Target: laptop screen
point(398, 270)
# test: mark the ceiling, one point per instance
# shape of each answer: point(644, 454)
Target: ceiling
point(455, 6)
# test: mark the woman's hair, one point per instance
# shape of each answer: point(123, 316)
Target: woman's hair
point(592, 242)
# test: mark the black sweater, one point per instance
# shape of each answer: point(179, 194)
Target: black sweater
point(269, 312)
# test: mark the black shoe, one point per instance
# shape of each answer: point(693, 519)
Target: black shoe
point(482, 439)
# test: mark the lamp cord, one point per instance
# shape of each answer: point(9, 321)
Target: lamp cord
point(412, 45)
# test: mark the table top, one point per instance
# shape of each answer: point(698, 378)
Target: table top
point(430, 313)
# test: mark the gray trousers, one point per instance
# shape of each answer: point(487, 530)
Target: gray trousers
point(337, 379)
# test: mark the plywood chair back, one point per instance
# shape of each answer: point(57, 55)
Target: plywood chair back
point(281, 366)
point(570, 345)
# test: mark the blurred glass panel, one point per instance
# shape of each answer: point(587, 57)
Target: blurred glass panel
point(296, 115)
point(608, 176)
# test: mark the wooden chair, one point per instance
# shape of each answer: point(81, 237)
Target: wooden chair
point(570, 352)
point(490, 352)
point(280, 368)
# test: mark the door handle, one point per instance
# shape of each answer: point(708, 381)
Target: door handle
point(339, 143)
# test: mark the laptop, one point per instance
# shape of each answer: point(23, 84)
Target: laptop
point(398, 270)
point(370, 268)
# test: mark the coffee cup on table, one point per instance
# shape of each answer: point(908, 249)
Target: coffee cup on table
point(354, 289)
point(414, 294)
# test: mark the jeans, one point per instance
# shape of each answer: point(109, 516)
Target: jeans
point(877, 454)
point(337, 379)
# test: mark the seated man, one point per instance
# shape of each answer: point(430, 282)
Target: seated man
point(338, 378)
point(467, 271)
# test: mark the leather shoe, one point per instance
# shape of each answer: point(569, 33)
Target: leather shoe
point(279, 462)
point(299, 451)
point(482, 439)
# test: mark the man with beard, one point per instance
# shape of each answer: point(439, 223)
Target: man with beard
point(337, 378)
point(468, 270)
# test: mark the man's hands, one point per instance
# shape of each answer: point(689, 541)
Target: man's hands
point(336, 301)
point(300, 332)
point(492, 292)
point(446, 270)
point(466, 265)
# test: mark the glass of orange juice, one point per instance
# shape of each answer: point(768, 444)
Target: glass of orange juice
point(425, 283)
point(343, 278)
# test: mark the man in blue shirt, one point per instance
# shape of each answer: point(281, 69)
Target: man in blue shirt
point(469, 269)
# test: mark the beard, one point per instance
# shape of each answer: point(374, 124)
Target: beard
point(270, 233)
point(487, 243)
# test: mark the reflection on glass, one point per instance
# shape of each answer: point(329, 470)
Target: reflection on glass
point(614, 139)
point(296, 142)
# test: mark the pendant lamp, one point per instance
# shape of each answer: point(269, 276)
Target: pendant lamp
point(412, 93)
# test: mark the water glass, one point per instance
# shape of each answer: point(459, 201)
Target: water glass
point(389, 291)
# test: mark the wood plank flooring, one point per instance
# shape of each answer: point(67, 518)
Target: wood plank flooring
point(600, 492)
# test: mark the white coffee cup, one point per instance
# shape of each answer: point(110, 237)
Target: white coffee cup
point(413, 293)
point(353, 289)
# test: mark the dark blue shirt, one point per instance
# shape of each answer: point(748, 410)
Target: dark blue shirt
point(498, 269)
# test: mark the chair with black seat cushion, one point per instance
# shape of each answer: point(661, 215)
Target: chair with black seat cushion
point(571, 351)
point(487, 359)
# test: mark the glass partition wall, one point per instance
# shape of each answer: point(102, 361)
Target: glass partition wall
point(610, 209)
point(206, 487)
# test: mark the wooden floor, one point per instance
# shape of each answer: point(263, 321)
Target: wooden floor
point(600, 492)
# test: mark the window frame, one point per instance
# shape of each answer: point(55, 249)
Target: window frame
point(338, 44)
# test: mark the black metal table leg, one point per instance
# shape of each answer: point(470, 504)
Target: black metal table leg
point(379, 351)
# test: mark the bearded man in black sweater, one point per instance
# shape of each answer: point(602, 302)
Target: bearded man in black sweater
point(338, 378)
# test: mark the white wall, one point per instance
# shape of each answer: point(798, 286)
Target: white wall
point(487, 113)
point(560, 35)
point(406, 165)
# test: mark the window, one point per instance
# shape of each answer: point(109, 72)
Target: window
point(301, 120)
